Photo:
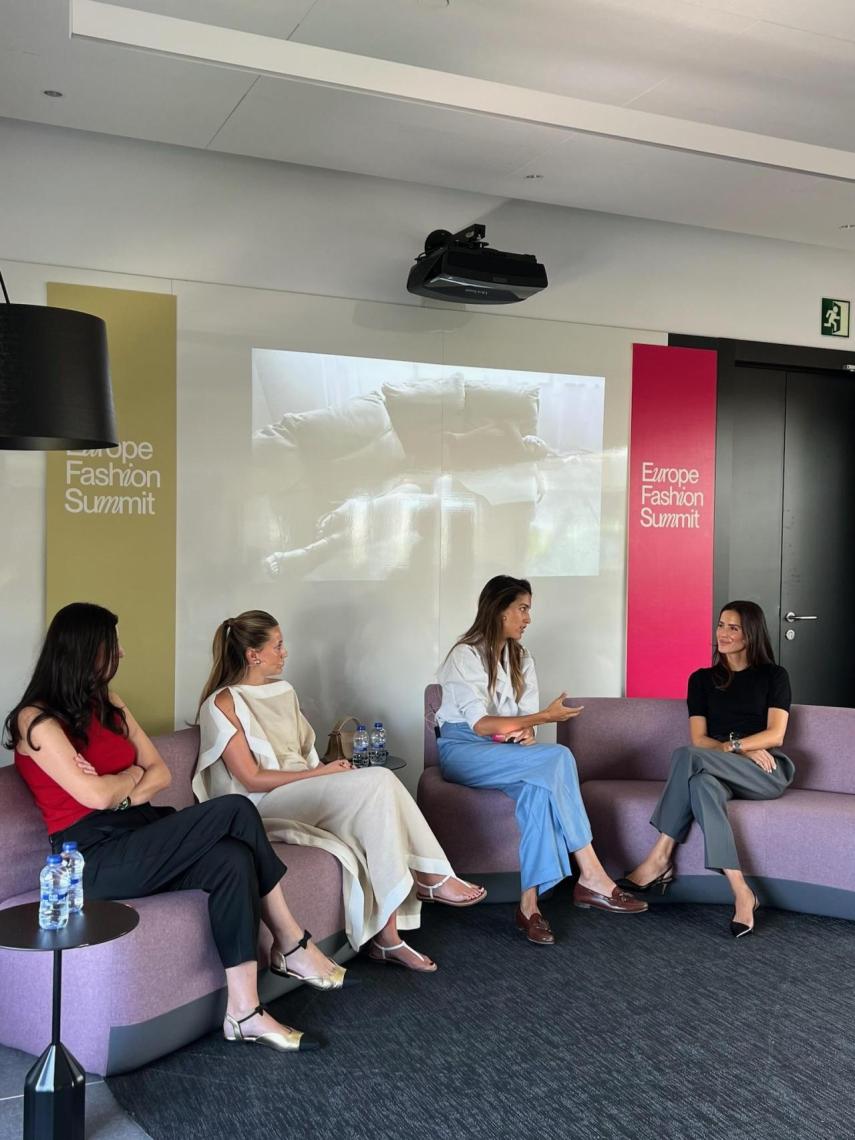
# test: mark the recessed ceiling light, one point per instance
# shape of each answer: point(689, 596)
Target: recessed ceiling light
point(534, 177)
point(847, 226)
point(434, 3)
point(52, 94)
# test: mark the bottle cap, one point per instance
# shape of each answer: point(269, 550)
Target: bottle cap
point(378, 723)
point(360, 728)
point(54, 859)
point(70, 845)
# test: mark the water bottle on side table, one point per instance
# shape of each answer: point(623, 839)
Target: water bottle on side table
point(53, 894)
point(378, 753)
point(360, 747)
point(74, 862)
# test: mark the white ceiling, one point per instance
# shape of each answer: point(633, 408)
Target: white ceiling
point(778, 69)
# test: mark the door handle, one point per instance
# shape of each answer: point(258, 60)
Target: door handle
point(800, 617)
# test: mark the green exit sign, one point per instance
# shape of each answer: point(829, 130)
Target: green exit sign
point(835, 317)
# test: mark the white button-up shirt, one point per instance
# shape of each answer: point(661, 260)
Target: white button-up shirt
point(465, 696)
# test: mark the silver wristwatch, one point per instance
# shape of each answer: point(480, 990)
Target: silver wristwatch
point(735, 743)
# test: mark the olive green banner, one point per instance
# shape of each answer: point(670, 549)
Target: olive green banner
point(110, 514)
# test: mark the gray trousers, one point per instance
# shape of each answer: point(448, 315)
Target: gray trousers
point(700, 783)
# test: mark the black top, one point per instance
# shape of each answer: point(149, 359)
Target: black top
point(743, 706)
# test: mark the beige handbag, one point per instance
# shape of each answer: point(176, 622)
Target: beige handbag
point(340, 746)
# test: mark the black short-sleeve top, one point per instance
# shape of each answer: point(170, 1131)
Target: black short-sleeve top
point(742, 707)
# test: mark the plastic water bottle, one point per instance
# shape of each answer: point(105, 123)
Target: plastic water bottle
point(74, 861)
point(53, 894)
point(378, 753)
point(360, 747)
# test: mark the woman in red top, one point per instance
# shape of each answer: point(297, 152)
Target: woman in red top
point(92, 771)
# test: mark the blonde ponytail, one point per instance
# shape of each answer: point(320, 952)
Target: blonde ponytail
point(232, 639)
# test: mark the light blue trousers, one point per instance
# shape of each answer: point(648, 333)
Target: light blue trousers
point(541, 779)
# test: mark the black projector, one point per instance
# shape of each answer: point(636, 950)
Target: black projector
point(462, 268)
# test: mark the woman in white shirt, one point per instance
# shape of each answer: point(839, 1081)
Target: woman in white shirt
point(487, 720)
point(256, 741)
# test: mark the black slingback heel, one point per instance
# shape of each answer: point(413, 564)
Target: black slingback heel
point(661, 883)
point(739, 929)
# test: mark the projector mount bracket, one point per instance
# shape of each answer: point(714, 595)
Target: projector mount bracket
point(472, 237)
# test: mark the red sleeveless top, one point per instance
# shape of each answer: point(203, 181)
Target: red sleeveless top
point(107, 752)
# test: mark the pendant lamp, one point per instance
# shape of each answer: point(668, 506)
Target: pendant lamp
point(55, 389)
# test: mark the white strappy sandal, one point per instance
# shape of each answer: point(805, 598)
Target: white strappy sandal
point(432, 896)
point(386, 959)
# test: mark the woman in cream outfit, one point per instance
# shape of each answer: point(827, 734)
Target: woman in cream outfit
point(255, 740)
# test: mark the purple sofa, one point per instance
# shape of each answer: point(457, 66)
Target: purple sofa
point(130, 1001)
point(476, 826)
point(799, 850)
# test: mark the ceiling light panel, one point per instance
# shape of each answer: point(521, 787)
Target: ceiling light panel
point(590, 50)
point(118, 91)
point(831, 17)
point(264, 17)
point(106, 23)
point(369, 134)
point(615, 176)
point(773, 81)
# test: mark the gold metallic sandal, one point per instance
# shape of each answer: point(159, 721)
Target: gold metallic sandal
point(334, 979)
point(283, 1041)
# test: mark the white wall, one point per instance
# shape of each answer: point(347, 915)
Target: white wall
point(405, 627)
point(242, 243)
point(77, 199)
point(356, 647)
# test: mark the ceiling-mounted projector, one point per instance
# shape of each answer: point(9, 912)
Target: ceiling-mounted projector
point(461, 267)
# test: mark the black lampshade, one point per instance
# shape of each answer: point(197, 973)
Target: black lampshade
point(55, 389)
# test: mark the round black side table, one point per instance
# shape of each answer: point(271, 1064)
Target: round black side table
point(55, 1087)
point(393, 763)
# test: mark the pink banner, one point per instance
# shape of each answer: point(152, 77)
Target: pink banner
point(671, 501)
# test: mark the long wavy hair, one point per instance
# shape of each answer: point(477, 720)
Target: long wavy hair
point(485, 633)
point(233, 638)
point(78, 659)
point(758, 644)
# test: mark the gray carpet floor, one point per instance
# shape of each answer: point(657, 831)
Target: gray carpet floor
point(638, 1027)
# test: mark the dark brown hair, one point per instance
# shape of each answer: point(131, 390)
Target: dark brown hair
point(233, 638)
point(758, 644)
point(485, 633)
point(78, 659)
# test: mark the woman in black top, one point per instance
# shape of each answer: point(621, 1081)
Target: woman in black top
point(738, 712)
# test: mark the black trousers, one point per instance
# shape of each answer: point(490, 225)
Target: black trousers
point(219, 847)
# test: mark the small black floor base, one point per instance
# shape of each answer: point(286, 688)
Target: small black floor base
point(55, 1097)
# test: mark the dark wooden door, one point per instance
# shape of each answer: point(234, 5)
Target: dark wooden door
point(784, 521)
point(817, 617)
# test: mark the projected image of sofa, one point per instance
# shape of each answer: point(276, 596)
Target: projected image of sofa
point(354, 490)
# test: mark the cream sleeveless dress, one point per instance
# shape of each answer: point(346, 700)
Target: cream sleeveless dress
point(365, 818)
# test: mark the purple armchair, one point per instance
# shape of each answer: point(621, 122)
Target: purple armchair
point(125, 1003)
point(801, 847)
point(476, 827)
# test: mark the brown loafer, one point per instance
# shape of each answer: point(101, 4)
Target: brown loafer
point(618, 902)
point(536, 928)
